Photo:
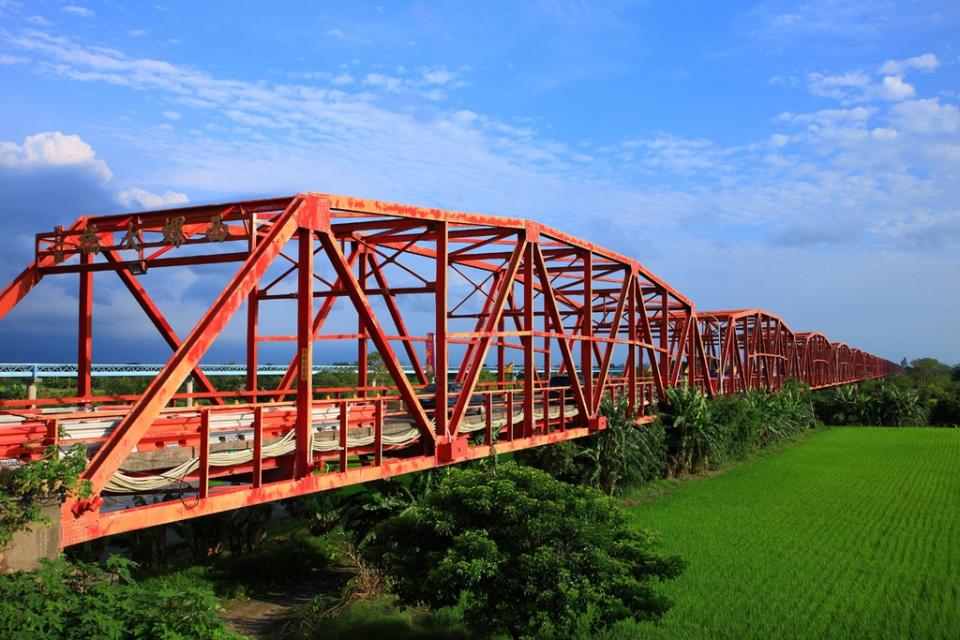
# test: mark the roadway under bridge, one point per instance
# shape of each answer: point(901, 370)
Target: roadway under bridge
point(514, 310)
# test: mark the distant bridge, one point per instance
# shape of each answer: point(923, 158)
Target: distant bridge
point(495, 287)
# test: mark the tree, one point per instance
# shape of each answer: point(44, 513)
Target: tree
point(626, 452)
point(523, 553)
point(955, 373)
point(927, 370)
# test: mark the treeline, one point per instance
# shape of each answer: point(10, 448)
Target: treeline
point(927, 393)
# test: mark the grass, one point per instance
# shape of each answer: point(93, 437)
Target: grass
point(853, 534)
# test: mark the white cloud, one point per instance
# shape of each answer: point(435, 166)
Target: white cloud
point(926, 62)
point(439, 76)
point(136, 33)
point(52, 148)
point(8, 59)
point(172, 115)
point(894, 88)
point(38, 20)
point(387, 83)
point(857, 86)
point(926, 116)
point(829, 117)
point(854, 165)
point(838, 86)
point(78, 11)
point(137, 198)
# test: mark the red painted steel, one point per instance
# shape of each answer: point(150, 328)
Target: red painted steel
point(584, 324)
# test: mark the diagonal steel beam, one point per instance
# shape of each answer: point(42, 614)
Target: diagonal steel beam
point(480, 352)
point(614, 331)
point(293, 369)
point(105, 462)
point(156, 317)
point(390, 300)
point(566, 351)
point(375, 331)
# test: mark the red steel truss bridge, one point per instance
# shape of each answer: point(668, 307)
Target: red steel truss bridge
point(426, 290)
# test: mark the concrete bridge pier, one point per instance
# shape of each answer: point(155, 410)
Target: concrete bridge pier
point(40, 540)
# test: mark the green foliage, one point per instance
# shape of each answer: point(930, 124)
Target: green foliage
point(826, 539)
point(927, 370)
point(884, 403)
point(359, 510)
point(523, 553)
point(627, 452)
point(946, 413)
point(24, 489)
point(64, 600)
point(693, 437)
point(782, 414)
point(624, 453)
point(740, 422)
point(11, 389)
point(281, 562)
point(376, 619)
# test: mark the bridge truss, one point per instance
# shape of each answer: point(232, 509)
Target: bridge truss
point(426, 290)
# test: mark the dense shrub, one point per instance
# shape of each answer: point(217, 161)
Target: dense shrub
point(24, 489)
point(64, 600)
point(693, 437)
point(782, 414)
point(377, 617)
point(522, 553)
point(624, 453)
point(884, 403)
point(702, 432)
point(740, 423)
point(946, 413)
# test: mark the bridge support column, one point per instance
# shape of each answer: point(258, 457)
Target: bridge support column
point(28, 547)
point(190, 390)
point(32, 388)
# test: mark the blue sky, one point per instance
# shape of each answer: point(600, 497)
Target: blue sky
point(801, 157)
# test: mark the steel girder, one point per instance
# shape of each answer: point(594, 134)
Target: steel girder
point(585, 324)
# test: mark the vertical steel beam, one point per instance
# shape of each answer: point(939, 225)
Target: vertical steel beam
point(362, 305)
point(85, 330)
point(253, 319)
point(325, 308)
point(614, 332)
point(550, 307)
point(665, 338)
point(153, 313)
point(390, 300)
point(529, 364)
point(141, 416)
point(441, 349)
point(203, 485)
point(362, 372)
point(483, 343)
point(303, 458)
point(632, 348)
point(257, 479)
point(586, 330)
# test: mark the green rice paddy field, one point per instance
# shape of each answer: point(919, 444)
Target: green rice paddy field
point(854, 533)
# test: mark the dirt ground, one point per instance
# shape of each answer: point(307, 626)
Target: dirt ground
point(264, 614)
